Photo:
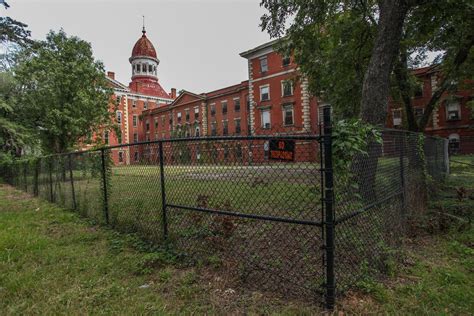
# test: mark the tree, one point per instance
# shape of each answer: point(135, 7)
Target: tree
point(13, 136)
point(14, 35)
point(64, 94)
point(446, 27)
point(347, 50)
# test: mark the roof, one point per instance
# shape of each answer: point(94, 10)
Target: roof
point(259, 48)
point(144, 47)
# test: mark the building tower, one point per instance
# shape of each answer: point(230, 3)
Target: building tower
point(144, 63)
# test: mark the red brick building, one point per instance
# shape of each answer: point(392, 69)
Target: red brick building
point(274, 100)
point(452, 119)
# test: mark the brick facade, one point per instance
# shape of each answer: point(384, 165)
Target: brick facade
point(452, 119)
point(274, 100)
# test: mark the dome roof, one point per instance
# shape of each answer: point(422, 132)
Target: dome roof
point(143, 47)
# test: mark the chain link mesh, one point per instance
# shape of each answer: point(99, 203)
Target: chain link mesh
point(226, 200)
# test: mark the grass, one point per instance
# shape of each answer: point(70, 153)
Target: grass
point(439, 276)
point(53, 262)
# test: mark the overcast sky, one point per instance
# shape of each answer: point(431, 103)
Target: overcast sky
point(197, 41)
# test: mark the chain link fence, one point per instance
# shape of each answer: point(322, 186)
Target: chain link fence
point(272, 209)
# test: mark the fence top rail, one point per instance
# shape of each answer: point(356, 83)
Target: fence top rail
point(308, 137)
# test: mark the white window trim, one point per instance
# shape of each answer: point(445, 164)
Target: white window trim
point(260, 63)
point(284, 109)
point(283, 88)
point(135, 120)
point(458, 110)
point(262, 124)
point(264, 86)
point(117, 116)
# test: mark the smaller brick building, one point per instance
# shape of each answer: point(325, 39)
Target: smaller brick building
point(452, 119)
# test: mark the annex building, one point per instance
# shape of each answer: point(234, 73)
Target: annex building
point(273, 100)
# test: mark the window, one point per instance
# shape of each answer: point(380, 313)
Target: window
point(237, 105)
point(187, 114)
point(419, 91)
point(163, 134)
point(248, 103)
point(135, 137)
point(171, 119)
point(288, 114)
point(188, 132)
point(119, 117)
point(138, 68)
point(225, 128)
point(237, 127)
point(179, 117)
point(120, 156)
point(134, 103)
point(397, 117)
point(157, 136)
point(150, 68)
point(239, 152)
point(286, 61)
point(263, 64)
point(135, 120)
point(147, 125)
point(418, 112)
point(453, 110)
point(287, 87)
point(163, 120)
point(265, 93)
point(454, 143)
point(213, 128)
point(119, 99)
point(147, 137)
point(106, 137)
point(224, 107)
point(145, 105)
point(196, 131)
point(265, 119)
point(213, 109)
point(196, 113)
point(156, 122)
point(136, 156)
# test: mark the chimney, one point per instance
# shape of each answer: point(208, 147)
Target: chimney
point(173, 93)
point(111, 74)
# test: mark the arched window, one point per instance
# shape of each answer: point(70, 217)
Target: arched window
point(196, 131)
point(454, 143)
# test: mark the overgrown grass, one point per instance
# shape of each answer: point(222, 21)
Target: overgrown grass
point(439, 275)
point(53, 262)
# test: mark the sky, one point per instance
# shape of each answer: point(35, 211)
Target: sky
point(197, 41)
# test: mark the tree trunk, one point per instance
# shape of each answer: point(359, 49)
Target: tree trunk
point(376, 89)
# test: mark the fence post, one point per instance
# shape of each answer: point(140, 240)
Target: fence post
point(104, 186)
point(163, 191)
point(402, 171)
point(50, 170)
point(25, 176)
point(71, 178)
point(36, 176)
point(329, 221)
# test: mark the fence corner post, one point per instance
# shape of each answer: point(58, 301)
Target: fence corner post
point(104, 186)
point(163, 191)
point(329, 220)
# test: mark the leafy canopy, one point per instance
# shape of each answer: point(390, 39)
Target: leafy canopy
point(64, 94)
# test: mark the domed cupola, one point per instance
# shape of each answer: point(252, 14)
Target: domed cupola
point(144, 59)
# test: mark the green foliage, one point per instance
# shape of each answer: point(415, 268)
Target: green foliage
point(333, 41)
point(351, 138)
point(64, 94)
